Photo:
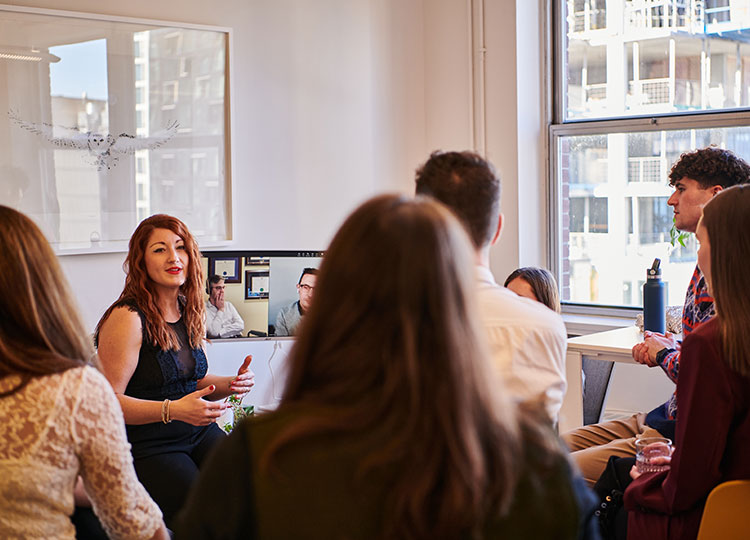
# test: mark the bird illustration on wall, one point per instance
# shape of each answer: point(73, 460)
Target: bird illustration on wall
point(102, 147)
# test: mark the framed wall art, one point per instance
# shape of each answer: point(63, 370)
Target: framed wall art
point(107, 120)
point(226, 267)
point(256, 284)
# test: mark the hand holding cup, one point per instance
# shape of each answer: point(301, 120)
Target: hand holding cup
point(653, 454)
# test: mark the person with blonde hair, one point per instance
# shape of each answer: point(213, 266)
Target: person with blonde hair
point(60, 416)
point(713, 391)
point(150, 343)
point(392, 424)
point(535, 283)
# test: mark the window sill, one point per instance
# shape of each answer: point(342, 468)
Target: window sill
point(578, 324)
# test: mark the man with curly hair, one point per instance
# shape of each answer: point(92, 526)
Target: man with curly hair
point(696, 177)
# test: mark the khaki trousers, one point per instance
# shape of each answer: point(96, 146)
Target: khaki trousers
point(590, 446)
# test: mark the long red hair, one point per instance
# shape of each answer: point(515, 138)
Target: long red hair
point(139, 288)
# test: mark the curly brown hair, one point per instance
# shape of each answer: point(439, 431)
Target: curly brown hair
point(467, 184)
point(711, 166)
point(139, 288)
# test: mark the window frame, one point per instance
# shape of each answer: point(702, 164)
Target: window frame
point(558, 127)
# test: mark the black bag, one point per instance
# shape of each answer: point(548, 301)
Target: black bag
point(613, 518)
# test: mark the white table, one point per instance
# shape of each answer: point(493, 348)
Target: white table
point(613, 346)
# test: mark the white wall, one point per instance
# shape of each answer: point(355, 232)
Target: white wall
point(336, 100)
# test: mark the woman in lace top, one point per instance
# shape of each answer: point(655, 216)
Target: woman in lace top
point(60, 416)
point(150, 345)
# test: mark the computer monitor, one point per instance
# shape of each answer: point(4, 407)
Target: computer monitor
point(259, 284)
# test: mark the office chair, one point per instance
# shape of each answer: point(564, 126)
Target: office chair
point(726, 514)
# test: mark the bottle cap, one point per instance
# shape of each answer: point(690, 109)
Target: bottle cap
point(655, 270)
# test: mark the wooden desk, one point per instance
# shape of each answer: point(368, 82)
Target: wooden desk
point(612, 346)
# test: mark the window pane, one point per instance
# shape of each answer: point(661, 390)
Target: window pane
point(615, 217)
point(625, 58)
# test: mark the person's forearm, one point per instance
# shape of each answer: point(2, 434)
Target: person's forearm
point(234, 327)
point(669, 360)
point(213, 325)
point(140, 411)
point(222, 383)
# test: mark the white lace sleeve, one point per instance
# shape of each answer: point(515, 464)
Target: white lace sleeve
point(120, 501)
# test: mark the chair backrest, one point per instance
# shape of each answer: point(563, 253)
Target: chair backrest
point(727, 512)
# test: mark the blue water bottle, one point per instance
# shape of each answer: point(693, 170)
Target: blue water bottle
point(654, 300)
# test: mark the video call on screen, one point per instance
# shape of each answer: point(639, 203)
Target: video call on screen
point(259, 284)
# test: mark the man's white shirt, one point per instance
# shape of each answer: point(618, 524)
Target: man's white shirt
point(527, 340)
point(225, 323)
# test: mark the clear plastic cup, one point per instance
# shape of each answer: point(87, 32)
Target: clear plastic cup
point(648, 448)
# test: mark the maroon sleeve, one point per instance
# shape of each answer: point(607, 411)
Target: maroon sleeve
point(703, 422)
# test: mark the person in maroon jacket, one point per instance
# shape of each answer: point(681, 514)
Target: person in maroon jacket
point(712, 435)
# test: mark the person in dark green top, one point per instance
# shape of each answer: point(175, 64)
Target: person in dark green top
point(393, 423)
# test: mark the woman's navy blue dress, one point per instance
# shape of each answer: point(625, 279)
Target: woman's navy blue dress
point(167, 456)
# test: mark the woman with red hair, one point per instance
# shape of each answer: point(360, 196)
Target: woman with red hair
point(150, 343)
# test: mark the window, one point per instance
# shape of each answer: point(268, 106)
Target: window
point(185, 64)
point(170, 94)
point(637, 83)
point(588, 214)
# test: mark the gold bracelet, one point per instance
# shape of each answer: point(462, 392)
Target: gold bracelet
point(165, 412)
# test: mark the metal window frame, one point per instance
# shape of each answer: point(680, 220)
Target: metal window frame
point(558, 127)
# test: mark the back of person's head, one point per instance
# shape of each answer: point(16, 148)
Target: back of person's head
point(726, 219)
point(711, 166)
point(392, 349)
point(468, 185)
point(542, 283)
point(307, 271)
point(140, 288)
point(41, 332)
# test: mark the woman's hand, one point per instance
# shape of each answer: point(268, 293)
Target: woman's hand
point(656, 460)
point(195, 410)
point(244, 380)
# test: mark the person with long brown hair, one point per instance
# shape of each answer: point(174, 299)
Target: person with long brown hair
point(60, 418)
point(150, 343)
point(392, 424)
point(713, 390)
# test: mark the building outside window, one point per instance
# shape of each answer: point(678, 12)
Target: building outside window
point(637, 83)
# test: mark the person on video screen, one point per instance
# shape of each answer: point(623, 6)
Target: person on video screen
point(289, 318)
point(222, 319)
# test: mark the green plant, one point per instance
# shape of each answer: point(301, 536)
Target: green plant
point(239, 412)
point(676, 235)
